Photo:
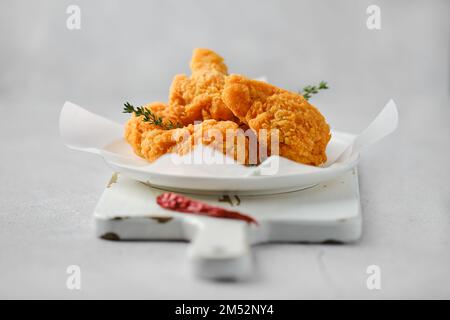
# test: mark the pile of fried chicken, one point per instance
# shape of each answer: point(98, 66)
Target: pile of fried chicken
point(214, 103)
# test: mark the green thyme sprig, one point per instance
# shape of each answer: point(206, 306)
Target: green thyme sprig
point(150, 117)
point(308, 91)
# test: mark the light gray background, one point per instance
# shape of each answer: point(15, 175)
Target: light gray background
point(129, 50)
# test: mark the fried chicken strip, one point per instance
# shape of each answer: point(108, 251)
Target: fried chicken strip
point(303, 131)
point(198, 97)
point(191, 99)
point(136, 127)
point(151, 142)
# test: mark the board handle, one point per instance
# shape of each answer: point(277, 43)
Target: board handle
point(220, 248)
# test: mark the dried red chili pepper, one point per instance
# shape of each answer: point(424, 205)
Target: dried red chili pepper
point(176, 202)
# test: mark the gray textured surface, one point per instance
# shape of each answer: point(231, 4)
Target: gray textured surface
point(130, 50)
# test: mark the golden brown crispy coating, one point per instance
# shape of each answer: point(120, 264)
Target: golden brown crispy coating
point(303, 131)
point(135, 127)
point(157, 142)
point(198, 97)
point(151, 141)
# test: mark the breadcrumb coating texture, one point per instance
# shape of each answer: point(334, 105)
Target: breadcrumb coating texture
point(303, 131)
point(199, 96)
point(158, 142)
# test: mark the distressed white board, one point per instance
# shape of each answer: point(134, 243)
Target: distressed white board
point(220, 248)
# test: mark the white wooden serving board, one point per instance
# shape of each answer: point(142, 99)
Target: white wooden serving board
point(220, 248)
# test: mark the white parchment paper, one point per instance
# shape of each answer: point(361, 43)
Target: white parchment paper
point(85, 131)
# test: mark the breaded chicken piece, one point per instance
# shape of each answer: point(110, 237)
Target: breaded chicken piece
point(191, 99)
point(135, 126)
point(303, 131)
point(151, 142)
point(198, 97)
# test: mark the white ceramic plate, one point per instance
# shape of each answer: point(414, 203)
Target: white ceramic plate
point(290, 176)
